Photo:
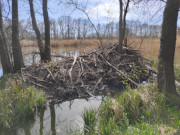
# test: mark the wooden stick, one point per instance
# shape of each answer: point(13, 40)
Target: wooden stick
point(51, 74)
point(39, 85)
point(41, 80)
point(119, 71)
point(70, 75)
point(97, 83)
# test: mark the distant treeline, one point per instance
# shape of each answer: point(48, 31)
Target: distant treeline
point(66, 27)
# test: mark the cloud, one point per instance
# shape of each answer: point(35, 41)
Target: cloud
point(149, 12)
point(102, 11)
point(108, 9)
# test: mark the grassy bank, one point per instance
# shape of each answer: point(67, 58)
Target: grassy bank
point(17, 101)
point(135, 112)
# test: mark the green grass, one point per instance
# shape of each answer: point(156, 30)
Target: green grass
point(17, 101)
point(136, 112)
point(89, 117)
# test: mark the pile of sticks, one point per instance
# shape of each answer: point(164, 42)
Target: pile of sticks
point(90, 73)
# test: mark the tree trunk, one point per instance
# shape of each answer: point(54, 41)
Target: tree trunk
point(17, 52)
point(122, 22)
point(5, 59)
point(53, 119)
point(166, 79)
point(120, 26)
point(47, 32)
point(38, 34)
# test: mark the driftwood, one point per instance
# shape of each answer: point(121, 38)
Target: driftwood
point(91, 72)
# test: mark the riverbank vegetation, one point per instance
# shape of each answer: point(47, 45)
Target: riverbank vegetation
point(17, 101)
point(134, 112)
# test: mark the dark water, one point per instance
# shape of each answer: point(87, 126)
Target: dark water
point(57, 119)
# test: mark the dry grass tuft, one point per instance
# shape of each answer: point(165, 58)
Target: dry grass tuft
point(150, 48)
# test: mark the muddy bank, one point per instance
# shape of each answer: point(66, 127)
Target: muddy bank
point(90, 73)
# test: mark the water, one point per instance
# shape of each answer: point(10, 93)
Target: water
point(57, 119)
point(30, 58)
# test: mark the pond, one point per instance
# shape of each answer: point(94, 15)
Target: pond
point(30, 57)
point(57, 119)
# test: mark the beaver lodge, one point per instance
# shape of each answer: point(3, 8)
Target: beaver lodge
point(90, 73)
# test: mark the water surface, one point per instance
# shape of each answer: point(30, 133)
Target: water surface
point(57, 119)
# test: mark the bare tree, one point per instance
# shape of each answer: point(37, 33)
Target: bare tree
point(61, 26)
point(5, 59)
point(47, 32)
point(53, 27)
point(82, 8)
point(123, 6)
point(166, 79)
point(84, 31)
point(68, 20)
point(38, 34)
point(79, 28)
point(17, 52)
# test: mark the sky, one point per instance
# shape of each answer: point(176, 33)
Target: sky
point(100, 11)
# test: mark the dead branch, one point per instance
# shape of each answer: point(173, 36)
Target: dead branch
point(90, 73)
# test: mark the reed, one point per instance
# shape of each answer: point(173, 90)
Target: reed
point(138, 112)
point(17, 101)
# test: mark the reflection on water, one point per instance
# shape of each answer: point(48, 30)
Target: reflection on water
point(31, 56)
point(57, 119)
point(53, 119)
point(65, 51)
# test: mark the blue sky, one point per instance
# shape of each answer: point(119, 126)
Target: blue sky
point(102, 11)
